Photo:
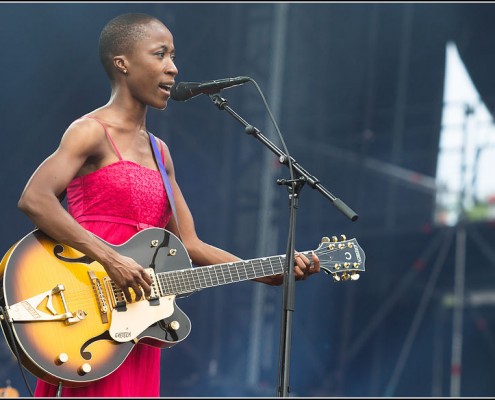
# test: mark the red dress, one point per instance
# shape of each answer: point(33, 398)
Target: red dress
point(115, 202)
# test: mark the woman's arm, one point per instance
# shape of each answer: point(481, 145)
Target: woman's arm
point(82, 145)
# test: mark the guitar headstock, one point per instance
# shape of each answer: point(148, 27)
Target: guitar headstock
point(341, 258)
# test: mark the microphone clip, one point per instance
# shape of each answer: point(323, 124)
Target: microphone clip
point(220, 102)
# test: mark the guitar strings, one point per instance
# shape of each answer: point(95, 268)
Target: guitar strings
point(190, 279)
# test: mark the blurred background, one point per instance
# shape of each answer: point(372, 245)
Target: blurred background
point(389, 105)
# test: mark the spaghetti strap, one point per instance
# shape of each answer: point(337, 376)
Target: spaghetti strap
point(106, 132)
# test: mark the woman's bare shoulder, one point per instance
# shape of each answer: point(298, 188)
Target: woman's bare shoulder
point(84, 134)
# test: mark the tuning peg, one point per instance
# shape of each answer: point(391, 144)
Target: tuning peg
point(345, 276)
point(343, 238)
point(354, 276)
point(336, 277)
point(334, 239)
point(325, 239)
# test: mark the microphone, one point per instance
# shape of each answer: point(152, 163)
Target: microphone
point(183, 91)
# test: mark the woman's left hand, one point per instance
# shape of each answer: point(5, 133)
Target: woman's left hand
point(302, 269)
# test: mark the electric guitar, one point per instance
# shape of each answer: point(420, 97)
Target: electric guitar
point(72, 325)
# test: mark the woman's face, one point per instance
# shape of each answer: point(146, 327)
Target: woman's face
point(151, 67)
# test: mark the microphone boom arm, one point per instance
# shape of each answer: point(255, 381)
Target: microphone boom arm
point(312, 181)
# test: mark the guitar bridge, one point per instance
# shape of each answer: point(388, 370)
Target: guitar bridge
point(100, 297)
point(27, 310)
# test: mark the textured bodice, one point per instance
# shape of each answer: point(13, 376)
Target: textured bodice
point(122, 192)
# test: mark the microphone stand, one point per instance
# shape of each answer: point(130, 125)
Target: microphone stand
point(294, 188)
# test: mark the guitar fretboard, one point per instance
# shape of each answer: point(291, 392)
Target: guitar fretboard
point(191, 279)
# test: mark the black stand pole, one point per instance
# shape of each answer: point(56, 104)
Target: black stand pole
point(288, 305)
point(294, 188)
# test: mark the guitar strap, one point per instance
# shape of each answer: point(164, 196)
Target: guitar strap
point(165, 179)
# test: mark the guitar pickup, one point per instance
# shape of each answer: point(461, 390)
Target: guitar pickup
point(154, 297)
point(115, 294)
point(117, 297)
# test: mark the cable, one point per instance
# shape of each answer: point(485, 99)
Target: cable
point(12, 341)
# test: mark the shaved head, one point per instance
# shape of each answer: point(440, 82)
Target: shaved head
point(119, 36)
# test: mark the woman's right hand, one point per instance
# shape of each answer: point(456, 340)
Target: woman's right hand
point(128, 274)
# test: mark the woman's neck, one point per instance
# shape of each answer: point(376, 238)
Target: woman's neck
point(127, 110)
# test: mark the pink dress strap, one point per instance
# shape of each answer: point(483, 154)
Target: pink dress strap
point(106, 132)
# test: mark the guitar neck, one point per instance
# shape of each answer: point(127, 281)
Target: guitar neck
point(343, 259)
point(191, 279)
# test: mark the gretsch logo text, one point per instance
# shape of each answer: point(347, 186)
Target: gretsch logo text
point(30, 309)
point(123, 335)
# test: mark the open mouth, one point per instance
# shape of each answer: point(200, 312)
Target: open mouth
point(165, 87)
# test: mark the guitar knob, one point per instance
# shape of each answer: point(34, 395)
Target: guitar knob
point(354, 276)
point(62, 358)
point(174, 325)
point(334, 239)
point(336, 277)
point(84, 369)
point(343, 238)
point(325, 239)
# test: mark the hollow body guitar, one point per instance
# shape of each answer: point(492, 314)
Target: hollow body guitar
point(72, 325)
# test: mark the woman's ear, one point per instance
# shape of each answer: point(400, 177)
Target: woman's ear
point(120, 63)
